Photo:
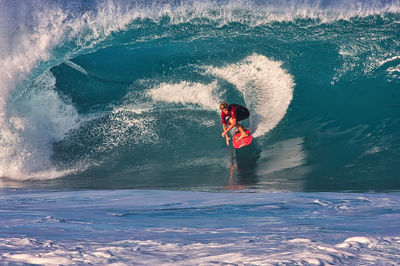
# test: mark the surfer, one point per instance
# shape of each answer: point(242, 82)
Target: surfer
point(231, 114)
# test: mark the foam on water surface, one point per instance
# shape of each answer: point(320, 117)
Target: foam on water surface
point(186, 93)
point(166, 227)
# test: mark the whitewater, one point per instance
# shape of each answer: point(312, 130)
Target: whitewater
point(110, 136)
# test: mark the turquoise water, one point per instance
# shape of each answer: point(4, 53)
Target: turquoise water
point(110, 135)
point(126, 94)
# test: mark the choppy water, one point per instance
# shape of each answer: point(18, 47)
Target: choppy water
point(124, 95)
point(192, 228)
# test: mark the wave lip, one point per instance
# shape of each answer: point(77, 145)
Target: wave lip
point(266, 87)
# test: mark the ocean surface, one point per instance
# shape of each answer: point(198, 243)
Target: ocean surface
point(110, 135)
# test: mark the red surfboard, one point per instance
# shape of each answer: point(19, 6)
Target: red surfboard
point(241, 142)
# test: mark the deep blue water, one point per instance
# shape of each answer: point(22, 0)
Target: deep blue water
point(118, 100)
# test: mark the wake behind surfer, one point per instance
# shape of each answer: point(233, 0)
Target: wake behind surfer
point(231, 114)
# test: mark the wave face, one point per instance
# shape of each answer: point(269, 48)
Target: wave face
point(122, 94)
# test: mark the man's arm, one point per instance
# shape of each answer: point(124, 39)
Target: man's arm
point(226, 135)
point(233, 123)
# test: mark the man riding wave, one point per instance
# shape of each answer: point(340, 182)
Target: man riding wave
point(231, 114)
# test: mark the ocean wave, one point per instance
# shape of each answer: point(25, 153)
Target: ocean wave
point(267, 89)
point(98, 73)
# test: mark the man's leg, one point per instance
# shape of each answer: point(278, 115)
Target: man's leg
point(242, 131)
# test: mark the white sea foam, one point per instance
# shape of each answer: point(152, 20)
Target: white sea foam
point(186, 93)
point(126, 126)
point(40, 118)
point(388, 60)
point(190, 228)
point(254, 14)
point(266, 87)
point(76, 67)
point(25, 147)
point(240, 251)
point(30, 48)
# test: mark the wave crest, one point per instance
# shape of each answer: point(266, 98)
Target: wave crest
point(266, 87)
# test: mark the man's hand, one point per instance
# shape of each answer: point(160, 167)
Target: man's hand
point(227, 140)
point(224, 134)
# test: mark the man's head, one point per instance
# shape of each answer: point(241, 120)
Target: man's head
point(224, 107)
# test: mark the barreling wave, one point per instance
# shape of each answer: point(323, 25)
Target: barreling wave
point(87, 84)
